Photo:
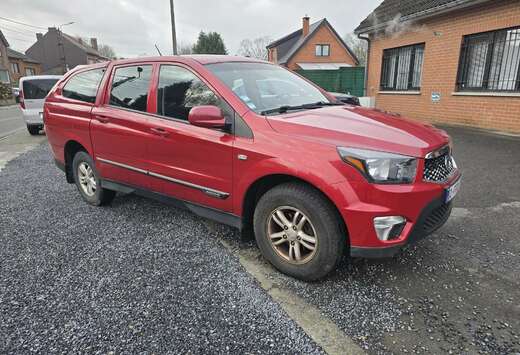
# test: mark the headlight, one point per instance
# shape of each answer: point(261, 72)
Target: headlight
point(381, 167)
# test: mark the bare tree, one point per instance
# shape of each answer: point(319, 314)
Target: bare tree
point(255, 48)
point(358, 46)
point(184, 48)
point(107, 51)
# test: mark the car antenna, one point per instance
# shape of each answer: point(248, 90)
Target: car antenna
point(158, 50)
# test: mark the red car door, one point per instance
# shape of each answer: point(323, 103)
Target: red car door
point(187, 162)
point(119, 127)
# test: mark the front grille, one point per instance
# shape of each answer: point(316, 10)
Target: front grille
point(439, 168)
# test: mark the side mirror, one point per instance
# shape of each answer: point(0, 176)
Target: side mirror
point(207, 116)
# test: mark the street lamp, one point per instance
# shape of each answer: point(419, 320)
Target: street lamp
point(60, 44)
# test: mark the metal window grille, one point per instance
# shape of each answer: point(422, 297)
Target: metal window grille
point(402, 68)
point(490, 62)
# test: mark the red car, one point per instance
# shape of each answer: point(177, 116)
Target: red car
point(252, 145)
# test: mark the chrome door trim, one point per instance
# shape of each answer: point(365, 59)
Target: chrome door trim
point(208, 191)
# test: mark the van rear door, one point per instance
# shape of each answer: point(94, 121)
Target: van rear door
point(34, 93)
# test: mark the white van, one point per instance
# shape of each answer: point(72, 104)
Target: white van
point(33, 90)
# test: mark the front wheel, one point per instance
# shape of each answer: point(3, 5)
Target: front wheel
point(298, 231)
point(88, 182)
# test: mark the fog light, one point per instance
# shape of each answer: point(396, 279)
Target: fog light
point(389, 227)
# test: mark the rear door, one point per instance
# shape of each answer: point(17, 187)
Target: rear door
point(188, 162)
point(119, 126)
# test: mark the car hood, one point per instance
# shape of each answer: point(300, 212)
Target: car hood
point(361, 127)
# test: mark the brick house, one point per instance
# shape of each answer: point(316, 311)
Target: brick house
point(314, 46)
point(59, 52)
point(22, 65)
point(446, 61)
point(4, 61)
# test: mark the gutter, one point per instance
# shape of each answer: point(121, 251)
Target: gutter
point(365, 88)
point(439, 10)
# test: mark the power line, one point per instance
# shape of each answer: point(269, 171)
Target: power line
point(21, 23)
point(3, 28)
point(21, 39)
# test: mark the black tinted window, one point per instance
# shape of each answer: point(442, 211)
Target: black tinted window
point(180, 90)
point(84, 86)
point(130, 87)
point(37, 89)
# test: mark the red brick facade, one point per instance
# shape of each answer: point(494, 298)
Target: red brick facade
point(443, 36)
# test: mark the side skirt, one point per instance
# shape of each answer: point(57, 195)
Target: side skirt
point(202, 211)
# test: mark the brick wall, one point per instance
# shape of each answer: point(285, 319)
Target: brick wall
point(443, 37)
point(307, 54)
point(22, 65)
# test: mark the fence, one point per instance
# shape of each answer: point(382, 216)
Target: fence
point(345, 80)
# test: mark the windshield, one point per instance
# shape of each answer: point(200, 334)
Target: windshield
point(37, 88)
point(264, 87)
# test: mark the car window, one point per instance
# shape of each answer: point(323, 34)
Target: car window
point(37, 89)
point(180, 90)
point(130, 87)
point(83, 86)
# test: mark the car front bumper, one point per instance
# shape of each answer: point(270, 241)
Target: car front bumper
point(422, 204)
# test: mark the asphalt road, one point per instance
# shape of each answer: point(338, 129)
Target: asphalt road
point(139, 276)
point(11, 120)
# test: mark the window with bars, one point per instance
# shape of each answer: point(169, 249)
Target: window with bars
point(402, 68)
point(490, 61)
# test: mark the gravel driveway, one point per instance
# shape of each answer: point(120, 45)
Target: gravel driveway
point(142, 276)
point(132, 277)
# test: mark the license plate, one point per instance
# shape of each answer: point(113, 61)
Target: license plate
point(452, 191)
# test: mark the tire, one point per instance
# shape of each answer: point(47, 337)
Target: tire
point(321, 219)
point(85, 174)
point(33, 130)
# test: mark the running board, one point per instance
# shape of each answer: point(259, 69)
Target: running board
point(202, 211)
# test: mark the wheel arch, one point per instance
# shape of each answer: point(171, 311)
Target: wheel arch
point(71, 148)
point(265, 183)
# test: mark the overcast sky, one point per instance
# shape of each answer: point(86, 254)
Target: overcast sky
point(132, 27)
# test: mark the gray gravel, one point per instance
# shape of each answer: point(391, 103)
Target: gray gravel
point(136, 276)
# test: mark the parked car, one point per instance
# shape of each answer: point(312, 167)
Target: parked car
point(16, 94)
point(31, 97)
point(311, 178)
point(346, 98)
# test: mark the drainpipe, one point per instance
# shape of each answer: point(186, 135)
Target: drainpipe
point(365, 89)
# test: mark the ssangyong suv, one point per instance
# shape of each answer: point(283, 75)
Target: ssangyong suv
point(252, 145)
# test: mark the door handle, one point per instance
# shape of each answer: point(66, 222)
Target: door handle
point(102, 119)
point(159, 131)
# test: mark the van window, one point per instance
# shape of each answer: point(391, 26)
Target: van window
point(84, 86)
point(179, 90)
point(37, 89)
point(130, 87)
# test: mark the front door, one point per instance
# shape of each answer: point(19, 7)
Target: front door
point(119, 128)
point(187, 162)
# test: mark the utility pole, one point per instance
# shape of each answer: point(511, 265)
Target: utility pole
point(174, 35)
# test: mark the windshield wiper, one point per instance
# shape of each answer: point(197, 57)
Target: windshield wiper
point(309, 106)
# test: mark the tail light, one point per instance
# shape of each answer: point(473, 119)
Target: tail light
point(22, 102)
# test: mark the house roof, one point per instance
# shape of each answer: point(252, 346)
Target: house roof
point(84, 46)
point(11, 53)
point(3, 39)
point(288, 45)
point(404, 10)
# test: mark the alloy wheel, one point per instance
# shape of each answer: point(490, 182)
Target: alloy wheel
point(292, 235)
point(86, 178)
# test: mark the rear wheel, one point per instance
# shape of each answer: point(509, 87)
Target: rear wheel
point(33, 130)
point(88, 182)
point(298, 231)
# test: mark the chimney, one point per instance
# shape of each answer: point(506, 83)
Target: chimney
point(305, 26)
point(39, 36)
point(93, 43)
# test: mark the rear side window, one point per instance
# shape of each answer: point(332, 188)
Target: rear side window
point(84, 86)
point(130, 87)
point(180, 90)
point(37, 89)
